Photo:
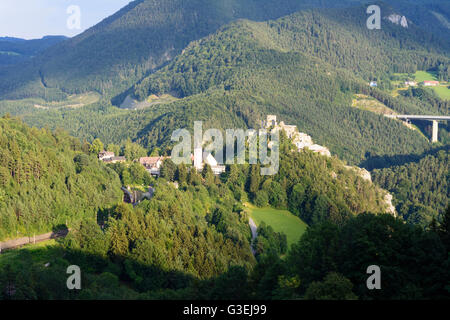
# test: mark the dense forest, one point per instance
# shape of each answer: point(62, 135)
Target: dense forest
point(47, 180)
point(421, 187)
point(140, 38)
point(114, 54)
point(247, 70)
point(192, 243)
point(14, 50)
point(227, 64)
point(199, 231)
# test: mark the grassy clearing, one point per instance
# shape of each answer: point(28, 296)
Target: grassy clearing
point(152, 100)
point(425, 76)
point(443, 92)
point(367, 103)
point(280, 220)
point(73, 101)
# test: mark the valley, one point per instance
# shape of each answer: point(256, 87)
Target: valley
point(362, 178)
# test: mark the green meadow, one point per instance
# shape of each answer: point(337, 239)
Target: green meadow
point(425, 76)
point(443, 92)
point(280, 220)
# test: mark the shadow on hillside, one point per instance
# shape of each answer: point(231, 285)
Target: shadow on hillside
point(382, 162)
point(41, 273)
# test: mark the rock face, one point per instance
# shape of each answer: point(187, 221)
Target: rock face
point(363, 173)
point(304, 141)
point(300, 139)
point(390, 207)
point(398, 19)
point(404, 22)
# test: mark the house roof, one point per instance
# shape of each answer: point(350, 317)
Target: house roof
point(113, 159)
point(106, 153)
point(149, 160)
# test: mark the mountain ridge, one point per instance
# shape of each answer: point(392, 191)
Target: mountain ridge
point(141, 37)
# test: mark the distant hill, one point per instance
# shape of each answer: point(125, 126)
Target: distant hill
point(16, 50)
point(111, 56)
point(305, 68)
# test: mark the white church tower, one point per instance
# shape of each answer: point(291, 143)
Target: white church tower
point(198, 158)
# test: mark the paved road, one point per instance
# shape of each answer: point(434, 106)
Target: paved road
point(254, 229)
point(16, 243)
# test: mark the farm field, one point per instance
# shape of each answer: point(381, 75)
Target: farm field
point(442, 91)
point(280, 220)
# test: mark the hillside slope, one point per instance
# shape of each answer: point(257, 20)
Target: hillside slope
point(46, 181)
point(305, 68)
point(14, 50)
point(121, 49)
point(253, 69)
point(111, 56)
point(420, 188)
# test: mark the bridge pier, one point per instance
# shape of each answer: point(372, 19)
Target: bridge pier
point(434, 137)
point(434, 119)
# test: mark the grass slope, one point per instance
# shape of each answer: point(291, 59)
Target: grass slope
point(280, 220)
point(442, 91)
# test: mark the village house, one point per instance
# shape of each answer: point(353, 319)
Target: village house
point(430, 83)
point(153, 164)
point(410, 83)
point(105, 155)
point(209, 159)
point(115, 160)
point(373, 84)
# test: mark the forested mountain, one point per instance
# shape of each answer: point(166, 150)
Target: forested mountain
point(15, 50)
point(338, 37)
point(113, 55)
point(421, 187)
point(247, 70)
point(117, 52)
point(191, 241)
point(304, 67)
point(46, 180)
point(228, 63)
point(431, 15)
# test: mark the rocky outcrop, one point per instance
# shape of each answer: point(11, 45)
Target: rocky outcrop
point(390, 207)
point(398, 19)
point(363, 173)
